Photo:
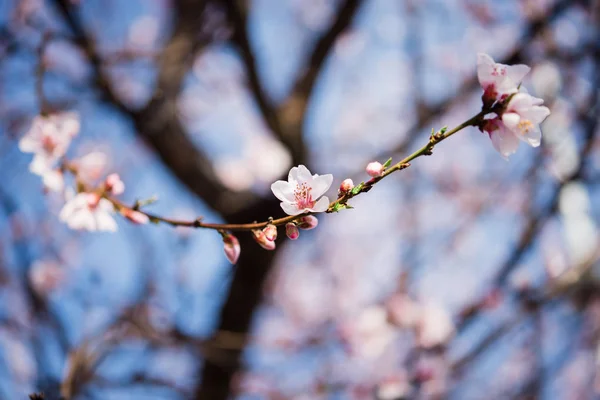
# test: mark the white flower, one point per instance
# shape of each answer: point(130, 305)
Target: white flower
point(50, 136)
point(520, 121)
point(522, 117)
point(89, 211)
point(48, 139)
point(302, 192)
point(499, 80)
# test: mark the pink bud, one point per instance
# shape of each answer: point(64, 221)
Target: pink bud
point(291, 230)
point(375, 169)
point(114, 185)
point(307, 222)
point(347, 185)
point(270, 232)
point(261, 239)
point(232, 248)
point(135, 216)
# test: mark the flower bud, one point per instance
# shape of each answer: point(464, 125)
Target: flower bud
point(307, 222)
point(114, 185)
point(270, 232)
point(135, 216)
point(347, 185)
point(261, 239)
point(232, 248)
point(291, 230)
point(375, 169)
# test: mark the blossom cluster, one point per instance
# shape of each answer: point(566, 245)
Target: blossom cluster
point(517, 114)
point(89, 209)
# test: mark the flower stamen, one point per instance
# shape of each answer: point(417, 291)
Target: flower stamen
point(303, 196)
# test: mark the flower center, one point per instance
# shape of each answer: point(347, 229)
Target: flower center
point(303, 197)
point(525, 126)
point(92, 201)
point(48, 143)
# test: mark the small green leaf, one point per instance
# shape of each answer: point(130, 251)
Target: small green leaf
point(443, 130)
point(357, 189)
point(339, 206)
point(388, 163)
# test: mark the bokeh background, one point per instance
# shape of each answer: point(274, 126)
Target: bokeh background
point(463, 277)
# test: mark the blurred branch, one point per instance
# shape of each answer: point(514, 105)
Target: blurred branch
point(293, 111)
point(238, 19)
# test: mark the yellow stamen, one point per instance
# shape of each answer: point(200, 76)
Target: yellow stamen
point(525, 126)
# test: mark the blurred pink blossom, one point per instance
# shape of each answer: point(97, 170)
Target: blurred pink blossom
point(114, 185)
point(435, 326)
point(89, 211)
point(91, 166)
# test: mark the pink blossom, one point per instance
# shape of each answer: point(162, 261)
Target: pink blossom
point(498, 80)
point(347, 185)
point(48, 139)
point(403, 311)
point(89, 211)
point(374, 169)
point(522, 117)
point(114, 185)
point(45, 276)
point(435, 326)
point(135, 216)
point(270, 232)
point(91, 166)
point(261, 239)
point(520, 121)
point(307, 222)
point(303, 192)
point(291, 230)
point(369, 333)
point(231, 245)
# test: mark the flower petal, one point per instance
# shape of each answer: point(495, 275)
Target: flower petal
point(303, 174)
point(485, 66)
point(105, 222)
point(321, 205)
point(290, 209)
point(533, 137)
point(536, 114)
point(320, 185)
point(283, 190)
point(511, 120)
point(54, 180)
point(516, 73)
point(504, 141)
